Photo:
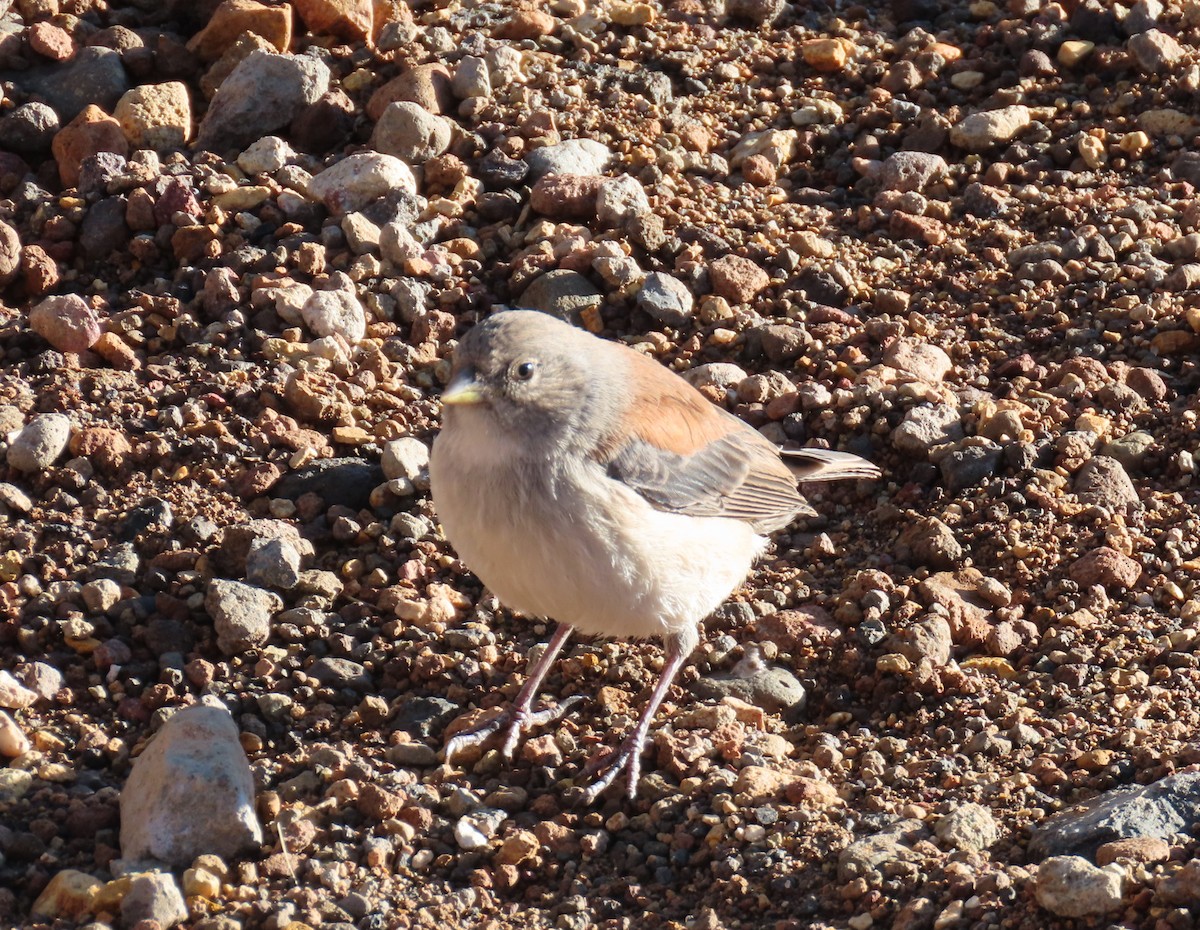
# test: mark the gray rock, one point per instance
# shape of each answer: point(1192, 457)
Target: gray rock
point(930, 542)
point(411, 133)
point(263, 93)
point(1130, 450)
point(772, 689)
point(873, 853)
point(981, 131)
point(241, 614)
point(619, 200)
point(94, 75)
point(563, 294)
point(925, 427)
point(406, 457)
point(968, 466)
point(575, 156)
point(1142, 16)
point(104, 230)
point(911, 171)
point(970, 826)
point(1161, 809)
point(29, 129)
point(265, 156)
point(665, 298)
point(340, 673)
point(761, 12)
point(273, 563)
point(40, 443)
point(1155, 50)
point(154, 896)
point(471, 79)
point(1103, 481)
point(724, 376)
point(352, 183)
point(344, 481)
point(782, 342)
point(1070, 886)
point(190, 792)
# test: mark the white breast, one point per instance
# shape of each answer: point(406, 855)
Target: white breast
point(574, 545)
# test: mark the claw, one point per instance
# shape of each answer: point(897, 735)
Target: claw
point(628, 757)
point(519, 720)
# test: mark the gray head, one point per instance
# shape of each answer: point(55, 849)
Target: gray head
point(533, 376)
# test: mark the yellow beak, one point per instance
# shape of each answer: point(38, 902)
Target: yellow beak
point(463, 389)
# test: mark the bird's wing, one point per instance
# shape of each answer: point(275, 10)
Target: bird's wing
point(686, 455)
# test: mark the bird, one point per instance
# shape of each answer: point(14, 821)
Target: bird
point(584, 482)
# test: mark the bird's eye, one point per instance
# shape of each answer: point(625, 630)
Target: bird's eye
point(523, 371)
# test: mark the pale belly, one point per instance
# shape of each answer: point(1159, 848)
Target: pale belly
point(585, 550)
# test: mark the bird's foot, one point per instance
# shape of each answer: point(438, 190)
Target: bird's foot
point(519, 720)
point(606, 768)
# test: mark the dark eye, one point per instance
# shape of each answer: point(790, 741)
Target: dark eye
point(523, 371)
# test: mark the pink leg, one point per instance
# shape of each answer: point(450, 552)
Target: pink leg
point(520, 716)
point(629, 756)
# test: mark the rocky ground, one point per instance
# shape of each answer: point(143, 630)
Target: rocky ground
point(238, 243)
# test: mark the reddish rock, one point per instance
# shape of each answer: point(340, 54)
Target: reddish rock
point(39, 272)
point(427, 85)
point(68, 323)
point(51, 41)
point(1135, 849)
point(759, 171)
point(176, 196)
point(346, 19)
point(563, 196)
point(1108, 567)
point(117, 352)
point(90, 132)
point(737, 279)
point(233, 17)
point(526, 24)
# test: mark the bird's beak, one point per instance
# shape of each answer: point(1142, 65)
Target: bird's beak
point(463, 389)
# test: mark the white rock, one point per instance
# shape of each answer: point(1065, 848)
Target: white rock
point(154, 896)
point(266, 156)
point(40, 443)
point(354, 182)
point(1070, 886)
point(13, 694)
point(13, 742)
point(575, 156)
point(981, 131)
point(621, 199)
point(469, 836)
point(471, 79)
point(328, 313)
point(190, 792)
point(405, 458)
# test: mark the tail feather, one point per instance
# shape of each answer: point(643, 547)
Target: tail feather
point(827, 465)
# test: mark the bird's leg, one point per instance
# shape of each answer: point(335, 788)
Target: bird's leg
point(520, 716)
point(629, 756)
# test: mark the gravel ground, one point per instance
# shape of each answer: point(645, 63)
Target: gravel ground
point(238, 244)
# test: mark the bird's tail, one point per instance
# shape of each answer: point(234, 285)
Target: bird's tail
point(827, 465)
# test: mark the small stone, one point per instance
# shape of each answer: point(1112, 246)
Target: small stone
point(190, 792)
point(575, 156)
point(911, 171)
point(241, 614)
point(925, 427)
point(826, 55)
point(1103, 481)
point(233, 18)
point(153, 897)
point(526, 24)
point(1181, 888)
point(426, 85)
point(29, 128)
point(90, 132)
point(969, 826)
point(263, 93)
point(13, 741)
point(620, 200)
point(94, 76)
point(353, 183)
point(335, 313)
point(68, 323)
point(40, 444)
point(922, 360)
point(1070, 886)
point(1155, 51)
point(518, 848)
point(982, 131)
point(1144, 849)
point(665, 298)
point(564, 294)
point(760, 12)
point(156, 116)
point(737, 279)
point(69, 895)
point(1108, 567)
point(265, 156)
point(273, 563)
point(1074, 51)
point(930, 542)
point(566, 196)
point(471, 78)
point(411, 133)
point(405, 458)
point(773, 689)
point(347, 19)
point(51, 41)
point(468, 836)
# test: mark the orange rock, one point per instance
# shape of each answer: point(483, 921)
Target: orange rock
point(427, 85)
point(346, 19)
point(526, 24)
point(90, 132)
point(233, 17)
point(389, 11)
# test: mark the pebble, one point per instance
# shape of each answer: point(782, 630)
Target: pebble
point(346, 19)
point(406, 457)
point(264, 92)
point(920, 359)
point(911, 171)
point(566, 196)
point(1070, 886)
point(1155, 50)
point(91, 131)
point(426, 85)
point(737, 279)
point(233, 18)
point(620, 200)
point(666, 299)
point(335, 313)
point(156, 116)
point(564, 294)
point(273, 563)
point(29, 129)
point(969, 827)
point(925, 427)
point(471, 78)
point(41, 443)
point(170, 811)
point(265, 156)
point(773, 689)
point(575, 156)
point(69, 895)
point(759, 12)
point(95, 76)
point(154, 896)
point(354, 182)
point(411, 133)
point(1106, 566)
point(982, 131)
point(13, 741)
point(1103, 481)
point(241, 614)
point(13, 694)
point(68, 323)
